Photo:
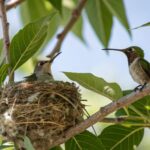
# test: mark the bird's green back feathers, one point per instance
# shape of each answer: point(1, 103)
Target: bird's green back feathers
point(145, 66)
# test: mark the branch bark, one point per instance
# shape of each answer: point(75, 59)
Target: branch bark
point(13, 4)
point(101, 114)
point(5, 27)
point(75, 15)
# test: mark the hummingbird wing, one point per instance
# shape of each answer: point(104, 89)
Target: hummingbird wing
point(32, 77)
point(145, 65)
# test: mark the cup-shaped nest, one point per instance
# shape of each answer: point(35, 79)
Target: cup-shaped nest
point(39, 110)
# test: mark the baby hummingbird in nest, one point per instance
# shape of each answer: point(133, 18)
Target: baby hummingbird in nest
point(42, 70)
point(139, 68)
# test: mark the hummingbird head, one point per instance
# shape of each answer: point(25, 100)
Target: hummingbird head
point(131, 52)
point(134, 51)
point(44, 66)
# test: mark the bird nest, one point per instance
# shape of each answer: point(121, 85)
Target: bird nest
point(39, 110)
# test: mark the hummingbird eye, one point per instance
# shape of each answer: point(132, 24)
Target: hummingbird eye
point(41, 63)
point(131, 50)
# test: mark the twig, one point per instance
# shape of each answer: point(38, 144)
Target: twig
point(120, 120)
point(13, 4)
point(5, 27)
point(75, 15)
point(127, 121)
point(101, 114)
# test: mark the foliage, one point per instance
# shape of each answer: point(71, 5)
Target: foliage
point(143, 25)
point(100, 24)
point(57, 4)
point(40, 26)
point(103, 12)
point(116, 137)
point(3, 72)
point(27, 41)
point(84, 141)
point(141, 108)
point(96, 84)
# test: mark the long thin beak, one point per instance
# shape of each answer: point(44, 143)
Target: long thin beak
point(51, 60)
point(113, 49)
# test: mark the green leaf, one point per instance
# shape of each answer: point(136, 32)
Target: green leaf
point(41, 8)
point(138, 108)
point(27, 41)
point(117, 137)
point(96, 84)
point(4, 147)
point(100, 19)
point(143, 25)
point(84, 141)
point(28, 14)
point(3, 72)
point(116, 7)
point(27, 143)
point(57, 4)
point(56, 148)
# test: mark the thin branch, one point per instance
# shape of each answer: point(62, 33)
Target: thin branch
point(75, 15)
point(122, 119)
point(5, 27)
point(13, 4)
point(101, 114)
point(126, 121)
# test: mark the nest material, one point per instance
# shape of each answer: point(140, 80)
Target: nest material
point(41, 111)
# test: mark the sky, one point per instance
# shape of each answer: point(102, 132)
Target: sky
point(79, 57)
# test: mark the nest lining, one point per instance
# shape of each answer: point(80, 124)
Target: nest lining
point(42, 111)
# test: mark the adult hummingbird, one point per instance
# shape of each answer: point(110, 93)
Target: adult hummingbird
point(139, 68)
point(42, 70)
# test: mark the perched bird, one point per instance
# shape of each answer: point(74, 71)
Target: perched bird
point(139, 68)
point(42, 70)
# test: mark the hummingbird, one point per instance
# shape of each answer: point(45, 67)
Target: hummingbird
point(42, 70)
point(139, 68)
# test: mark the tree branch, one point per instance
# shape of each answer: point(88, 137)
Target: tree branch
point(101, 114)
point(13, 4)
point(75, 15)
point(5, 27)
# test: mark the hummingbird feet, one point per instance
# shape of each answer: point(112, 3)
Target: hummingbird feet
point(140, 87)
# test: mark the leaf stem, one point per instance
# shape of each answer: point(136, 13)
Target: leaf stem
point(122, 119)
point(80, 148)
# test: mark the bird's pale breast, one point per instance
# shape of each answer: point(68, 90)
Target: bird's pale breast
point(137, 72)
